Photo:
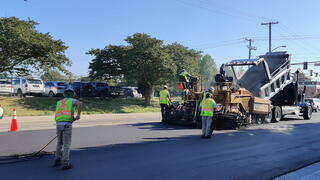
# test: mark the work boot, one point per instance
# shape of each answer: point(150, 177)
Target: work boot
point(56, 163)
point(66, 167)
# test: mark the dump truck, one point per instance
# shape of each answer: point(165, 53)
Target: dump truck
point(258, 91)
point(269, 77)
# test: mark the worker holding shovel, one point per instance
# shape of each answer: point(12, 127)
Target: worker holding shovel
point(64, 117)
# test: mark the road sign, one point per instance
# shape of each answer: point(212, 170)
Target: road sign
point(305, 65)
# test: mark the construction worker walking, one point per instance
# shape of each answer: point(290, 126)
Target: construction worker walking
point(64, 118)
point(164, 103)
point(207, 107)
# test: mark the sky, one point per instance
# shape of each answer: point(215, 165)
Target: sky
point(215, 27)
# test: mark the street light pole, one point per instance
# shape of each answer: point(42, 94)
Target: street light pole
point(284, 46)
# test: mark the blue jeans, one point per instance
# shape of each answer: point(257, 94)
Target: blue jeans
point(206, 125)
point(64, 134)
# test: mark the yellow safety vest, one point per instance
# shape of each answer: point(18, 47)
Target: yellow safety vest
point(207, 107)
point(64, 110)
point(164, 97)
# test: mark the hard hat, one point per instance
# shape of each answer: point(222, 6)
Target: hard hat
point(69, 93)
point(165, 86)
point(211, 89)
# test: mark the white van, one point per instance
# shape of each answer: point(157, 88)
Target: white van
point(28, 86)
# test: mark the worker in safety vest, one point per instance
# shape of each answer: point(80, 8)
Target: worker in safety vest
point(207, 107)
point(64, 118)
point(164, 102)
point(184, 79)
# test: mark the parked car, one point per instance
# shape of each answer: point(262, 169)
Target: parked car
point(83, 89)
point(131, 92)
point(55, 88)
point(116, 91)
point(6, 87)
point(100, 89)
point(28, 86)
point(315, 103)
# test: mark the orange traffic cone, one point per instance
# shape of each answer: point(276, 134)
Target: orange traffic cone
point(181, 86)
point(14, 122)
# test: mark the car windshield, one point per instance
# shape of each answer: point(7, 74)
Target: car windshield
point(76, 84)
point(61, 84)
point(239, 71)
point(5, 82)
point(34, 81)
point(102, 84)
point(309, 100)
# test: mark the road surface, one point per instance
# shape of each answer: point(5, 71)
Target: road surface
point(151, 150)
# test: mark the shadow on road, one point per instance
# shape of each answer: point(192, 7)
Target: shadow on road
point(160, 126)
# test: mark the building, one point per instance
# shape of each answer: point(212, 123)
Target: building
point(312, 82)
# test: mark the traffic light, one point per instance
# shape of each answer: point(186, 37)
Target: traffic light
point(305, 65)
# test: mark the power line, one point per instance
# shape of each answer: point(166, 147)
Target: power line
point(221, 45)
point(216, 11)
point(230, 11)
point(222, 42)
point(305, 42)
point(296, 40)
point(239, 12)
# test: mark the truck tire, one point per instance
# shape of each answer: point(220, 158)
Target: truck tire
point(307, 113)
point(267, 118)
point(277, 114)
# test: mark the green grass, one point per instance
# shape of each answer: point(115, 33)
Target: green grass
point(39, 106)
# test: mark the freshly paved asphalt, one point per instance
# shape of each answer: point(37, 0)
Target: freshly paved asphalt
point(156, 151)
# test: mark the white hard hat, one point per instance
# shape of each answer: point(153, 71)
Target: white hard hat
point(165, 86)
point(211, 89)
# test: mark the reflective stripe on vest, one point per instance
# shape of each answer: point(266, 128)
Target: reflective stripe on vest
point(164, 97)
point(207, 107)
point(64, 110)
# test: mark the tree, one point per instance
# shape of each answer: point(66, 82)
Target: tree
point(55, 75)
point(23, 48)
point(208, 68)
point(144, 60)
point(185, 58)
point(106, 63)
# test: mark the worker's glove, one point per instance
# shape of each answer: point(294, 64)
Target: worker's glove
point(77, 117)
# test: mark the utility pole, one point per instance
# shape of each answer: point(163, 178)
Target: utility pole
point(250, 47)
point(270, 23)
